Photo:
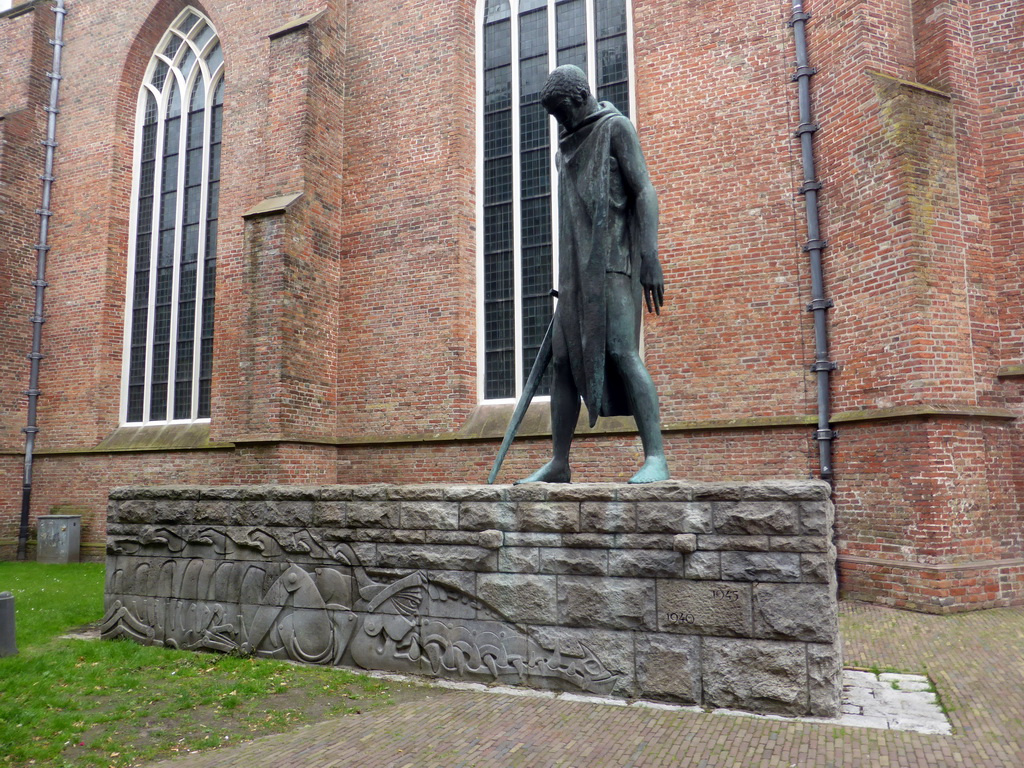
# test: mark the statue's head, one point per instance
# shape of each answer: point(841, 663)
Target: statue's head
point(566, 96)
point(566, 81)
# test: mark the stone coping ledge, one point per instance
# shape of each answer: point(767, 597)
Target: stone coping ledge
point(670, 490)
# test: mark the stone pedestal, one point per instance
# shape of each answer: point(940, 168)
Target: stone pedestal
point(716, 594)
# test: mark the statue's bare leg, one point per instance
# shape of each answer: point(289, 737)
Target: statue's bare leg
point(639, 387)
point(565, 411)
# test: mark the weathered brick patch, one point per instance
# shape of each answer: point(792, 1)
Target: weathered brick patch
point(717, 594)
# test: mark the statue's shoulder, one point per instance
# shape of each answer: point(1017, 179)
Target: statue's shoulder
point(623, 132)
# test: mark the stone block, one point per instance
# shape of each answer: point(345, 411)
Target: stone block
point(168, 491)
point(491, 539)
point(607, 603)
point(137, 511)
point(296, 512)
point(365, 552)
point(250, 512)
point(669, 490)
point(761, 566)
point(533, 539)
point(467, 538)
point(582, 492)
point(439, 557)
point(756, 518)
point(645, 563)
point(797, 543)
point(592, 660)
point(673, 517)
point(644, 540)
point(528, 492)
point(579, 562)
point(825, 679)
point(684, 542)
point(373, 514)
point(288, 492)
point(474, 493)
point(174, 511)
point(806, 612)
point(369, 492)
point(733, 543)
point(608, 516)
point(520, 598)
point(668, 667)
point(336, 493)
point(756, 675)
point(519, 559)
point(387, 535)
point(817, 568)
point(331, 513)
point(417, 492)
point(817, 517)
point(551, 517)
point(704, 608)
point(588, 540)
point(459, 584)
point(704, 565)
point(763, 490)
point(443, 515)
point(212, 512)
point(480, 515)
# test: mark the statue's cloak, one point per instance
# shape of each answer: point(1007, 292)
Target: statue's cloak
point(598, 234)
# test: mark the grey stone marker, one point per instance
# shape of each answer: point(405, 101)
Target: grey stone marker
point(8, 647)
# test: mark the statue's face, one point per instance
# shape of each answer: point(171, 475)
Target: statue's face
point(567, 110)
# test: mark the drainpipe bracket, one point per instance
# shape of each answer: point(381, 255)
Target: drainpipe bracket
point(809, 186)
point(40, 283)
point(804, 70)
point(815, 245)
point(799, 16)
point(30, 430)
point(35, 355)
point(826, 434)
point(806, 128)
point(820, 304)
point(823, 365)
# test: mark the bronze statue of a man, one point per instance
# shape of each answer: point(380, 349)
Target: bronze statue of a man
point(607, 269)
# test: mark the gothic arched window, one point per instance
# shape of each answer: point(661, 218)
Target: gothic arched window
point(173, 235)
point(520, 42)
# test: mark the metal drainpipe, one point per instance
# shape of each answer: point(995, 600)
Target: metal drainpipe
point(819, 305)
point(42, 248)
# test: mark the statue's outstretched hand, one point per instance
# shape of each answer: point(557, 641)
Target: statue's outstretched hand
point(653, 283)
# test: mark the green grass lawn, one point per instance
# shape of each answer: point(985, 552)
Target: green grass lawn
point(69, 702)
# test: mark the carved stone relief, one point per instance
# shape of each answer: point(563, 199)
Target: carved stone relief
point(293, 594)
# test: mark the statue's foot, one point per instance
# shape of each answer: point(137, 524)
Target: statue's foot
point(655, 468)
point(549, 473)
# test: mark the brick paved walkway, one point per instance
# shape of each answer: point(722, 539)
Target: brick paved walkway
point(976, 661)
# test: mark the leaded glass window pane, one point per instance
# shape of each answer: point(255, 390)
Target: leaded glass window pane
point(518, 204)
point(169, 342)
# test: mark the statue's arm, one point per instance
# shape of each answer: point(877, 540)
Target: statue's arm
point(625, 146)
